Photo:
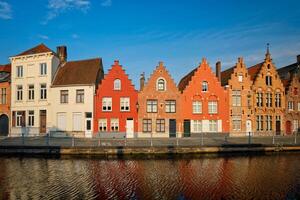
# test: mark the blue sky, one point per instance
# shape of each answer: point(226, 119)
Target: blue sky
point(142, 33)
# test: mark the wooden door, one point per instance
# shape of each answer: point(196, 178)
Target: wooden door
point(278, 128)
point(43, 121)
point(4, 125)
point(187, 128)
point(172, 127)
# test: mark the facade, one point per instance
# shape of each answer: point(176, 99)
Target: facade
point(205, 101)
point(32, 72)
point(159, 105)
point(5, 95)
point(268, 98)
point(73, 89)
point(115, 112)
point(239, 85)
point(290, 76)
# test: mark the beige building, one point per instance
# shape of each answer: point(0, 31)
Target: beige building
point(72, 97)
point(239, 85)
point(32, 72)
point(268, 98)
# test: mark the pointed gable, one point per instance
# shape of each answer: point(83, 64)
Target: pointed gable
point(41, 48)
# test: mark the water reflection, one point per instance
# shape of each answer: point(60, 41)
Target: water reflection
point(247, 177)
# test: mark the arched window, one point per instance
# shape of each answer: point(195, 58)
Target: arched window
point(117, 84)
point(204, 86)
point(161, 85)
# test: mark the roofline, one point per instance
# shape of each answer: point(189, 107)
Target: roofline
point(72, 85)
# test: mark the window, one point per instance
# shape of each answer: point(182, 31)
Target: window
point(64, 96)
point(259, 99)
point(43, 91)
point(269, 80)
point(197, 126)
point(114, 125)
point(236, 98)
point(102, 125)
point(30, 92)
point(240, 78)
point(170, 106)
point(197, 107)
point(19, 93)
point(106, 104)
point(213, 126)
point(43, 69)
point(278, 100)
point(295, 125)
point(3, 96)
point(291, 105)
point(77, 121)
point(236, 123)
point(125, 104)
point(117, 84)
point(147, 125)
point(259, 123)
point(19, 71)
point(31, 118)
point(161, 85)
point(269, 99)
point(151, 106)
point(212, 107)
point(79, 96)
point(269, 122)
point(204, 86)
point(160, 125)
point(19, 119)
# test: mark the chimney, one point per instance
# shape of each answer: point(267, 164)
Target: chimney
point(218, 70)
point(62, 53)
point(298, 59)
point(142, 81)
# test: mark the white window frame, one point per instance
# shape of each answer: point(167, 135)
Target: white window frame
point(80, 96)
point(19, 119)
point(290, 105)
point(152, 106)
point(170, 106)
point(212, 107)
point(19, 71)
point(106, 104)
point(30, 118)
point(102, 125)
point(64, 96)
point(236, 123)
point(19, 93)
point(236, 98)
point(124, 104)
point(197, 107)
point(204, 86)
point(114, 125)
point(197, 126)
point(43, 91)
point(117, 84)
point(43, 69)
point(3, 96)
point(213, 125)
point(161, 84)
point(295, 125)
point(30, 92)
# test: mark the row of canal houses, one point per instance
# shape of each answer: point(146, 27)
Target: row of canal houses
point(42, 92)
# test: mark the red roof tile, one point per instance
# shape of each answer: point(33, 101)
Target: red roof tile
point(41, 48)
point(254, 70)
point(226, 75)
point(5, 68)
point(79, 72)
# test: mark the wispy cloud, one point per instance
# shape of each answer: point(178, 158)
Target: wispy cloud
point(75, 36)
point(44, 37)
point(106, 3)
point(56, 7)
point(5, 10)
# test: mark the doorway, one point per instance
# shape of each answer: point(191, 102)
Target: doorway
point(187, 128)
point(43, 121)
point(172, 128)
point(129, 128)
point(288, 127)
point(249, 127)
point(4, 123)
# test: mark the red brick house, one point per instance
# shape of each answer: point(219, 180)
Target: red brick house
point(115, 111)
point(5, 95)
point(205, 101)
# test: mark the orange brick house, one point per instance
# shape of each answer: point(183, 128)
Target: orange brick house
point(268, 98)
point(5, 95)
point(159, 105)
point(239, 85)
point(205, 101)
point(290, 76)
point(115, 111)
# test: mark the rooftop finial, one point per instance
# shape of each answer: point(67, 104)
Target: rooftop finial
point(268, 55)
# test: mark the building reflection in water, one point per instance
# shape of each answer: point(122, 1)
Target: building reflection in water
point(267, 177)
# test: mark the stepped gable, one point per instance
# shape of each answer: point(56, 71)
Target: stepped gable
point(183, 83)
point(41, 48)
point(79, 72)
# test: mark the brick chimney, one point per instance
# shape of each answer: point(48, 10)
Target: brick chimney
point(142, 81)
point(298, 59)
point(218, 70)
point(62, 53)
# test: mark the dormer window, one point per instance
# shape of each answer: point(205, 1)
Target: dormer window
point(204, 86)
point(117, 84)
point(161, 85)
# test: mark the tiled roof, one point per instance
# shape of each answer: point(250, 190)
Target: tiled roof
point(254, 70)
point(79, 72)
point(5, 73)
point(5, 68)
point(185, 80)
point(287, 71)
point(226, 75)
point(41, 48)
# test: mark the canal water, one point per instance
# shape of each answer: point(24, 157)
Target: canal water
point(273, 176)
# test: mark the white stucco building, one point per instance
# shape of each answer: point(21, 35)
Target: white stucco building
point(72, 98)
point(31, 76)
